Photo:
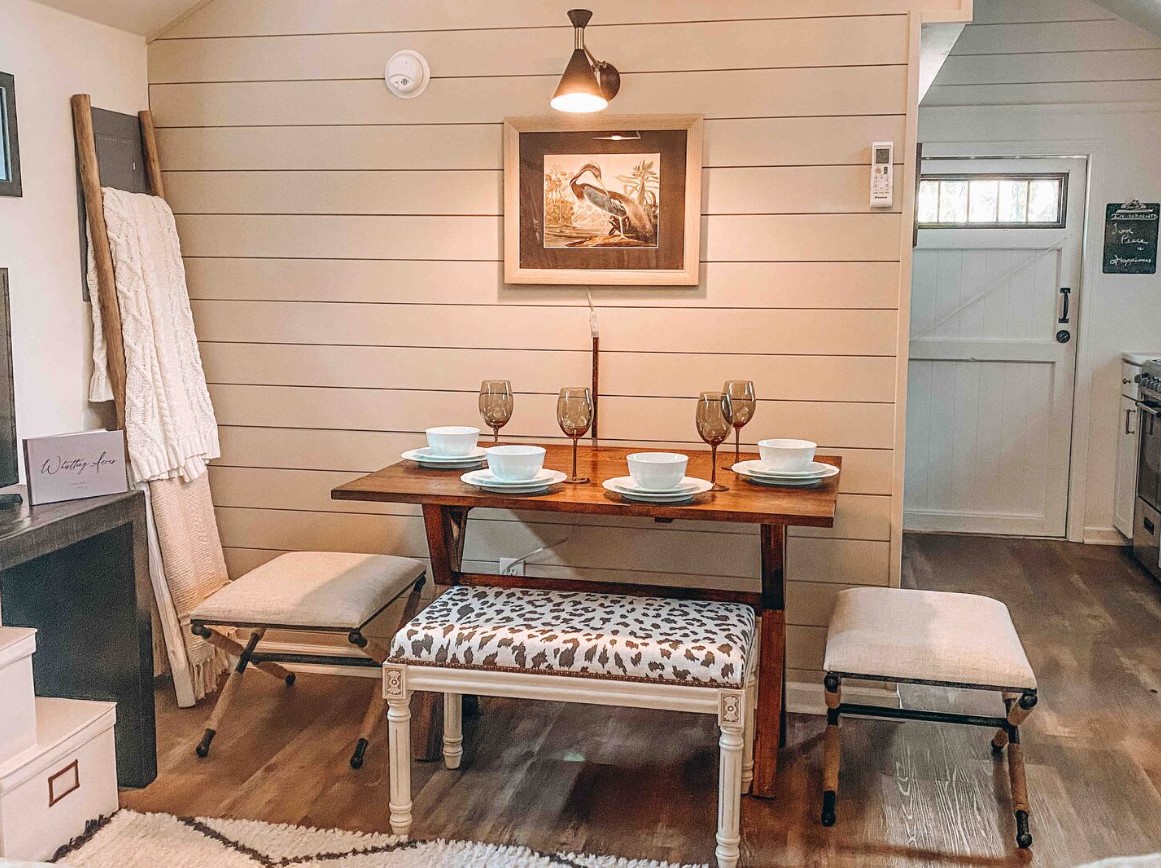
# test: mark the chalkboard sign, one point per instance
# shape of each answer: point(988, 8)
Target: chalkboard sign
point(1131, 238)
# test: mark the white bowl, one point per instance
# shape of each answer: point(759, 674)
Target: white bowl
point(515, 463)
point(657, 471)
point(781, 454)
point(452, 440)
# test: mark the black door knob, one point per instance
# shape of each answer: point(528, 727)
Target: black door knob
point(1063, 336)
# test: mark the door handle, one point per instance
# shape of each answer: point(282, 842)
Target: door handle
point(1065, 292)
point(1128, 420)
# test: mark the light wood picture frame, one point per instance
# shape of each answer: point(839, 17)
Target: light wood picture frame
point(608, 200)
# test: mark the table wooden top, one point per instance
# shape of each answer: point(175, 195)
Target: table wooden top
point(745, 502)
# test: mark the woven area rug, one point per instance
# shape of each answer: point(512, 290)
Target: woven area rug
point(132, 840)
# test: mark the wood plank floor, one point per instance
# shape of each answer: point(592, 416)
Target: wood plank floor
point(640, 783)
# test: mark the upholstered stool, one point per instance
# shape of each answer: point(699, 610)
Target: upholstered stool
point(928, 637)
point(318, 592)
point(601, 649)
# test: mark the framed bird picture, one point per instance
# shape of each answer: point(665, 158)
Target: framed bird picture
point(603, 200)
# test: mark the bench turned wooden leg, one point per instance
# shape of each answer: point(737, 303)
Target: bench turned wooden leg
point(732, 722)
point(831, 749)
point(399, 744)
point(453, 730)
point(748, 733)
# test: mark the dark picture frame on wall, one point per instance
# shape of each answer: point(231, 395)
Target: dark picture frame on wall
point(9, 138)
point(603, 201)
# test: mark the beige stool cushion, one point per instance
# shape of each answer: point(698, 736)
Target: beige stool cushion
point(335, 590)
point(568, 633)
point(904, 635)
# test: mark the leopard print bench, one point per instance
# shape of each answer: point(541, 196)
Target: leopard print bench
point(605, 649)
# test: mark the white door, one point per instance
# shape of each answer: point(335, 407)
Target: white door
point(994, 312)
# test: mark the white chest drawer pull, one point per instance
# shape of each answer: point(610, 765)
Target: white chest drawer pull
point(64, 782)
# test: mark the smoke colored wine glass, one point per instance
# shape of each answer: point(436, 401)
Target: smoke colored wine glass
point(714, 418)
point(743, 404)
point(574, 414)
point(496, 405)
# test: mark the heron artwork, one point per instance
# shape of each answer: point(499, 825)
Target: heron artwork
point(601, 200)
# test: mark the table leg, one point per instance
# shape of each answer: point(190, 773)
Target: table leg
point(446, 528)
point(771, 716)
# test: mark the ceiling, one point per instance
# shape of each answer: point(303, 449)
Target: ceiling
point(150, 17)
point(1143, 13)
point(146, 17)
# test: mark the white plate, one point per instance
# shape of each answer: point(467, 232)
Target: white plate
point(628, 485)
point(781, 483)
point(485, 478)
point(756, 469)
point(700, 486)
point(424, 456)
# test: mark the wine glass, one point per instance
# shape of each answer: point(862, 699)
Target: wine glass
point(714, 417)
point(496, 405)
point(574, 414)
point(743, 405)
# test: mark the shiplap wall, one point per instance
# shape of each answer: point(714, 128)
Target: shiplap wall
point(343, 251)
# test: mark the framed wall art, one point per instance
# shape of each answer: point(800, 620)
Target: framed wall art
point(603, 201)
point(9, 139)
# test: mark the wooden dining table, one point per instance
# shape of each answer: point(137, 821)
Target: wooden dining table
point(446, 502)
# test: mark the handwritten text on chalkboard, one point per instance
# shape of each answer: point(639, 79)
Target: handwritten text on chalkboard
point(1131, 238)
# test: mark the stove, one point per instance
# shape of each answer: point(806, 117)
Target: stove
point(1147, 509)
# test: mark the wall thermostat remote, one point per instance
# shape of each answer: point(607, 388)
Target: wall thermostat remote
point(882, 174)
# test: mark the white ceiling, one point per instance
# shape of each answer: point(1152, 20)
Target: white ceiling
point(146, 17)
point(1143, 13)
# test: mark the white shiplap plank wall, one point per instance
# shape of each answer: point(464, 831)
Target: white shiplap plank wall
point(343, 255)
point(1018, 52)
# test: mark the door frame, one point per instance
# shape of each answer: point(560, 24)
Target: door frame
point(1092, 152)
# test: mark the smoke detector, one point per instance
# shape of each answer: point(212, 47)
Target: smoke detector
point(407, 74)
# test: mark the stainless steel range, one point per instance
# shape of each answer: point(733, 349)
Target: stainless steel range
point(1147, 512)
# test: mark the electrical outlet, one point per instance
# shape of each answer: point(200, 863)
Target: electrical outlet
point(511, 567)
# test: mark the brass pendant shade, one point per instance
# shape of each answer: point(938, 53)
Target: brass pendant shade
point(587, 84)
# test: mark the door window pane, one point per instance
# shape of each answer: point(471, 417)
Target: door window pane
point(1013, 201)
point(982, 196)
point(1043, 201)
point(953, 206)
point(928, 205)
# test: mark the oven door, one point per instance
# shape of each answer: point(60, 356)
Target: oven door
point(1149, 457)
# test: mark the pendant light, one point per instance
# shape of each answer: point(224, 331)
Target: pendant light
point(587, 84)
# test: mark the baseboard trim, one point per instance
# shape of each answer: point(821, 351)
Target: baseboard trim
point(1103, 536)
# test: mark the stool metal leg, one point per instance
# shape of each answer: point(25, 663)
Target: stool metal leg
point(367, 729)
point(229, 692)
point(732, 722)
point(378, 652)
point(453, 730)
point(831, 749)
point(399, 744)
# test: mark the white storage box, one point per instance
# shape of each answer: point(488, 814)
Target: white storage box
point(67, 778)
point(18, 718)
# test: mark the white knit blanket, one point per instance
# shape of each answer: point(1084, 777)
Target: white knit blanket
point(170, 427)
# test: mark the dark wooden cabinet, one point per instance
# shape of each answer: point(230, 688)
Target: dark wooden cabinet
point(79, 573)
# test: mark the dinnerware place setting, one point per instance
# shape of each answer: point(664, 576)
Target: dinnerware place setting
point(785, 462)
point(654, 477)
point(657, 477)
point(514, 469)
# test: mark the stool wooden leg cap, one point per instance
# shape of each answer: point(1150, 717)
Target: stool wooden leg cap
point(360, 752)
point(828, 805)
point(203, 748)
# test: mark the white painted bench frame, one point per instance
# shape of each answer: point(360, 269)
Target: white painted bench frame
point(734, 708)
